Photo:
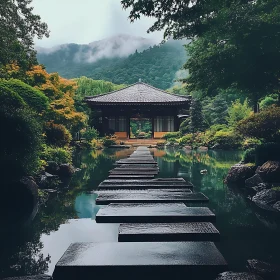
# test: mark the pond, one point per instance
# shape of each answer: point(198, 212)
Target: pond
point(69, 216)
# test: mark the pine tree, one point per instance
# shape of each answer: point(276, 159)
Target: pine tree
point(197, 122)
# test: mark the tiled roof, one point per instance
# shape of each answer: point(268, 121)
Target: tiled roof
point(138, 93)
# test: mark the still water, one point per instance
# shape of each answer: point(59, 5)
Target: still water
point(69, 216)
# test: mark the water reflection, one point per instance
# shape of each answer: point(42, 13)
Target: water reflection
point(69, 217)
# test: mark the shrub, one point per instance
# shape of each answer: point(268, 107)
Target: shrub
point(107, 141)
point(264, 125)
point(186, 140)
point(185, 126)
point(10, 99)
point(57, 134)
point(267, 151)
point(19, 144)
point(35, 99)
point(238, 111)
point(96, 144)
point(173, 135)
point(59, 155)
point(227, 139)
point(251, 143)
point(90, 134)
point(249, 156)
point(268, 101)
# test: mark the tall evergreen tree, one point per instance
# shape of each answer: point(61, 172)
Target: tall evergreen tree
point(197, 122)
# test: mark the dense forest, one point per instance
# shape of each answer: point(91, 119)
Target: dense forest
point(156, 65)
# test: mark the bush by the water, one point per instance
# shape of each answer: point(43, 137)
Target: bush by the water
point(108, 141)
point(57, 134)
point(172, 135)
point(89, 134)
point(58, 155)
point(264, 125)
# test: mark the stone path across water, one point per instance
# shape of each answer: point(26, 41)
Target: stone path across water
point(159, 236)
point(168, 232)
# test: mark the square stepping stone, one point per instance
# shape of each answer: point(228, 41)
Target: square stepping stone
point(153, 213)
point(105, 198)
point(140, 260)
point(168, 232)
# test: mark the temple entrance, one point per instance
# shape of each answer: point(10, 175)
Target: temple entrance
point(140, 128)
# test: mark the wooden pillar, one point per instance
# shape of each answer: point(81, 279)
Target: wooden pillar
point(128, 126)
point(153, 127)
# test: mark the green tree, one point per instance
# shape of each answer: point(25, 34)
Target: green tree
point(18, 27)
point(33, 97)
point(21, 137)
point(235, 43)
point(197, 122)
point(237, 112)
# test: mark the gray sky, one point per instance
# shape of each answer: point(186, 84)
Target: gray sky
point(84, 21)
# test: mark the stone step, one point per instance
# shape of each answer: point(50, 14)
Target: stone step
point(133, 172)
point(105, 198)
point(144, 191)
point(136, 166)
point(135, 161)
point(153, 213)
point(157, 181)
point(168, 232)
point(123, 176)
point(140, 260)
point(141, 187)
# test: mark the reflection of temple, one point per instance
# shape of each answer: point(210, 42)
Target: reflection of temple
point(116, 109)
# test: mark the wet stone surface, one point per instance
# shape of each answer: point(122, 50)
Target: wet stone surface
point(168, 232)
point(149, 197)
point(166, 260)
point(154, 213)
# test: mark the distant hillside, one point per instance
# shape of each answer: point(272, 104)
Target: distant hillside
point(121, 60)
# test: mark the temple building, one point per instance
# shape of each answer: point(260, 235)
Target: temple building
point(138, 111)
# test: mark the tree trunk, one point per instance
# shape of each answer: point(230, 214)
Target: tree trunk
point(256, 106)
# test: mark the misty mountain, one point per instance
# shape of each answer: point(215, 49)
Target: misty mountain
point(121, 59)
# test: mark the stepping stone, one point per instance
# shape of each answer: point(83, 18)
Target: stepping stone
point(168, 232)
point(158, 183)
point(136, 161)
point(140, 260)
point(153, 213)
point(144, 191)
point(133, 172)
point(135, 166)
point(122, 176)
point(105, 198)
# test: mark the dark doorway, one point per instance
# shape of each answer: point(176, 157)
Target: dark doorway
point(140, 128)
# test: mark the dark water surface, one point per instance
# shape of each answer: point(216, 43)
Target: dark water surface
point(70, 215)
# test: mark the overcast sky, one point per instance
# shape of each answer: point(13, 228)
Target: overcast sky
point(84, 21)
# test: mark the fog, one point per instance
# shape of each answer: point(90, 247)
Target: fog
point(85, 21)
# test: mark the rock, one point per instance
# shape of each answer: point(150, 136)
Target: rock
point(31, 189)
point(229, 275)
point(270, 171)
point(266, 199)
point(260, 187)
point(188, 147)
point(176, 144)
point(263, 269)
point(52, 167)
point(253, 181)
point(35, 277)
point(238, 173)
point(216, 147)
point(47, 180)
point(203, 171)
point(276, 206)
point(202, 148)
point(66, 170)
